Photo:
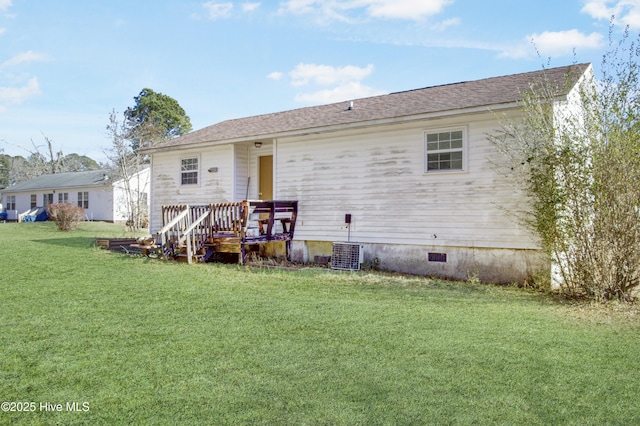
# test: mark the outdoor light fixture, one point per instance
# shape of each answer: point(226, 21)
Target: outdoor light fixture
point(213, 170)
point(258, 144)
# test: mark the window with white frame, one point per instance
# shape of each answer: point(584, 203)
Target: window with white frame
point(189, 171)
point(63, 197)
point(47, 199)
point(34, 200)
point(444, 150)
point(11, 202)
point(83, 200)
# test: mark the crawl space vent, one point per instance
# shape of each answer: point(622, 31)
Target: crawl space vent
point(347, 256)
point(437, 257)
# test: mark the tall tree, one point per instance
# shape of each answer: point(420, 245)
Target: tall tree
point(5, 169)
point(78, 163)
point(155, 117)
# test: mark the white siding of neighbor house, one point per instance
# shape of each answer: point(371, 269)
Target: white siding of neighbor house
point(378, 176)
point(139, 184)
point(100, 201)
point(215, 187)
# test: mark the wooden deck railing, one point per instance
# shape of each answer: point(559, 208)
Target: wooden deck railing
point(189, 229)
point(196, 235)
point(175, 220)
point(230, 217)
point(186, 229)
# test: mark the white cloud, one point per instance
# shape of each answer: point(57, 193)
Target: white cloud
point(218, 10)
point(326, 83)
point(250, 7)
point(405, 9)
point(554, 44)
point(626, 12)
point(328, 10)
point(5, 4)
point(16, 95)
point(441, 26)
point(564, 42)
point(325, 75)
point(348, 91)
point(25, 57)
point(299, 7)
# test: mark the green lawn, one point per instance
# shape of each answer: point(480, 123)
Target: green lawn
point(143, 341)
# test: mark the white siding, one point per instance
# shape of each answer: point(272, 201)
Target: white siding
point(139, 184)
point(378, 177)
point(100, 201)
point(242, 171)
point(213, 187)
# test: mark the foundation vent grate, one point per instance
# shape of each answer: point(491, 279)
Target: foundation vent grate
point(347, 256)
point(438, 257)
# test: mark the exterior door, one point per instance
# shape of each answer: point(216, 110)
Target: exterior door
point(266, 178)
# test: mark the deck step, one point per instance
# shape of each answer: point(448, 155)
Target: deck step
point(182, 257)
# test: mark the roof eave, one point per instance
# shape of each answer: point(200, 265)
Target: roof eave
point(52, 188)
point(336, 127)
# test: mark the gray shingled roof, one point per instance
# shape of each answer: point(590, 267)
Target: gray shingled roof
point(61, 181)
point(430, 100)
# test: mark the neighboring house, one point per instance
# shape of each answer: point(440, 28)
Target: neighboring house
point(128, 197)
point(415, 171)
point(95, 191)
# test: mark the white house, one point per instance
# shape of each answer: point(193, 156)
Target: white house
point(95, 191)
point(413, 170)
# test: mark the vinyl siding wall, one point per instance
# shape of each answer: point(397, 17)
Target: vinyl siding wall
point(166, 187)
point(378, 177)
point(400, 213)
point(100, 200)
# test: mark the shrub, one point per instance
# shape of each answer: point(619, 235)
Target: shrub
point(65, 215)
point(579, 164)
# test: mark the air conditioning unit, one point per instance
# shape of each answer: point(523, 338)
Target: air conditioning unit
point(347, 256)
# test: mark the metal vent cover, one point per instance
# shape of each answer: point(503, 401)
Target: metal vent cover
point(347, 256)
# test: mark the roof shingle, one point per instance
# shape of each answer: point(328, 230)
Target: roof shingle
point(435, 99)
point(62, 180)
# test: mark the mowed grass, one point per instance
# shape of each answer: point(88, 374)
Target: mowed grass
point(143, 341)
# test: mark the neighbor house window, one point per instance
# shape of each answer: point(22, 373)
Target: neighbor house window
point(63, 197)
point(34, 200)
point(189, 171)
point(83, 200)
point(11, 202)
point(444, 150)
point(47, 199)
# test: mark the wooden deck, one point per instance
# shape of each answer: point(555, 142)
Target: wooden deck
point(195, 233)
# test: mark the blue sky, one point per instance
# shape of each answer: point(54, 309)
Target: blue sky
point(65, 65)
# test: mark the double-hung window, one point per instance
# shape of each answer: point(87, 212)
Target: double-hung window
point(63, 197)
point(444, 150)
point(47, 199)
point(11, 202)
point(34, 200)
point(83, 200)
point(189, 171)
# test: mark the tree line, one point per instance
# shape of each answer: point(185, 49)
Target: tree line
point(153, 118)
